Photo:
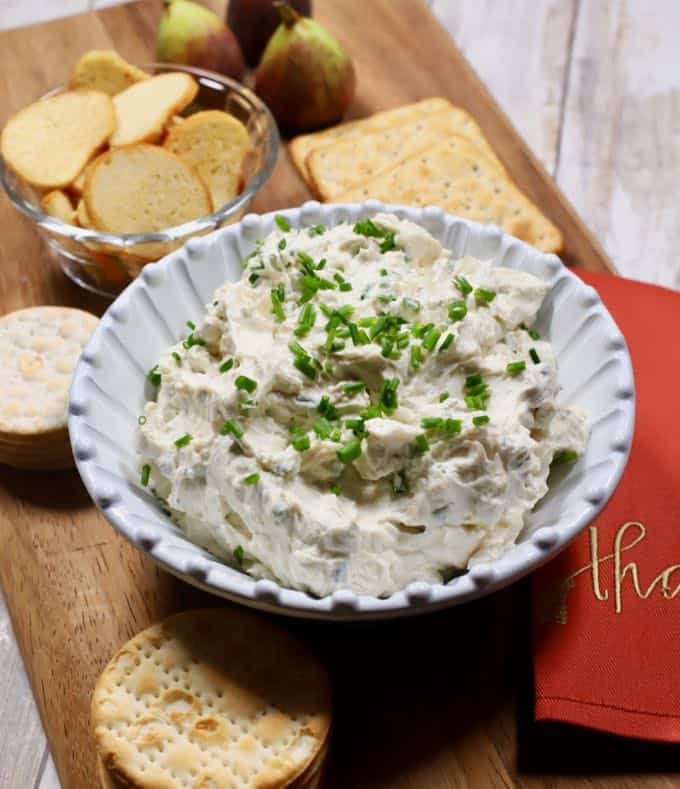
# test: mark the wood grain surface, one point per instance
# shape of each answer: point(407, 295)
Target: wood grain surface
point(440, 702)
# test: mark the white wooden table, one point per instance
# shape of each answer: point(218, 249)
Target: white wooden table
point(594, 87)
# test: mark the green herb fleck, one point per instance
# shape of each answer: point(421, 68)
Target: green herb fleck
point(446, 342)
point(463, 285)
point(183, 440)
point(480, 420)
point(177, 358)
point(231, 426)
point(154, 376)
point(238, 555)
point(336, 489)
point(226, 365)
point(282, 244)
point(350, 451)
point(354, 387)
point(457, 310)
point(301, 444)
point(535, 358)
point(566, 456)
point(515, 368)
point(422, 444)
point(146, 471)
point(483, 296)
point(282, 223)
point(251, 479)
point(443, 396)
point(245, 383)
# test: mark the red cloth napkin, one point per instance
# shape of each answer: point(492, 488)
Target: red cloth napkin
point(607, 637)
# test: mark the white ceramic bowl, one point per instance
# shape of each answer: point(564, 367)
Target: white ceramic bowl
point(109, 391)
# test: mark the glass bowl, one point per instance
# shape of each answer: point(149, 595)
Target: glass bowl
point(105, 263)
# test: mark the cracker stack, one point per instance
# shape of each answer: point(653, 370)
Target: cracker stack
point(219, 698)
point(39, 348)
point(427, 153)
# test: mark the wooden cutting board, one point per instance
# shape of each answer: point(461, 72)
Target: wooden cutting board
point(439, 702)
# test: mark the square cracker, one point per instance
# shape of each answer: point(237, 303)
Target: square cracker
point(455, 176)
point(300, 147)
point(355, 158)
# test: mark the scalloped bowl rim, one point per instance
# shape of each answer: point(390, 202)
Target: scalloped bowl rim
point(160, 539)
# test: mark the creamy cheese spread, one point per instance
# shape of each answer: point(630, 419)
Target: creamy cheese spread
point(360, 410)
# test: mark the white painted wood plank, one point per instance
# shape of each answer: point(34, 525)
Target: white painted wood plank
point(620, 154)
point(22, 741)
point(50, 779)
point(520, 51)
point(17, 13)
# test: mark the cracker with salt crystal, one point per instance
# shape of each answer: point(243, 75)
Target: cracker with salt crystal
point(39, 348)
point(218, 697)
point(455, 176)
point(301, 146)
point(356, 158)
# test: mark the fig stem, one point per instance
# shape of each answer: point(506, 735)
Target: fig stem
point(289, 16)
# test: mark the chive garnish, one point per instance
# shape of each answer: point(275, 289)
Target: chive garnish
point(416, 356)
point(350, 451)
point(233, 427)
point(463, 285)
point(535, 358)
point(251, 479)
point(301, 444)
point(154, 376)
point(473, 380)
point(368, 228)
point(431, 339)
point(387, 397)
point(443, 396)
point(480, 420)
point(422, 444)
point(457, 310)
point(564, 457)
point(327, 409)
point(432, 422)
point(191, 325)
point(238, 555)
point(146, 471)
point(317, 230)
point(183, 440)
point(306, 320)
point(483, 296)
point(387, 244)
point(226, 365)
point(177, 358)
point(245, 383)
point(354, 387)
point(282, 223)
point(282, 244)
point(335, 488)
point(446, 342)
point(515, 368)
point(322, 427)
point(277, 305)
point(453, 426)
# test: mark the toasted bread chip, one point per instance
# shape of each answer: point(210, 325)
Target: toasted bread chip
point(57, 204)
point(215, 144)
point(196, 701)
point(48, 143)
point(356, 158)
point(301, 146)
point(143, 109)
point(143, 188)
point(104, 70)
point(455, 176)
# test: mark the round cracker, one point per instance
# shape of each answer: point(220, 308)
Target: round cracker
point(49, 142)
point(39, 348)
point(143, 109)
point(216, 697)
point(141, 189)
point(215, 144)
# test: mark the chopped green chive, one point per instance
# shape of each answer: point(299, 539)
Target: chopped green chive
point(515, 368)
point(483, 296)
point(282, 244)
point(306, 366)
point(476, 392)
point(388, 244)
point(354, 387)
point(416, 357)
point(457, 310)
point(383, 272)
point(177, 358)
point(317, 230)
point(432, 422)
point(282, 223)
point(422, 444)
point(238, 555)
point(372, 412)
point(350, 451)
point(251, 479)
point(431, 339)
point(443, 396)
point(480, 420)
point(245, 383)
point(226, 365)
point(327, 409)
point(473, 380)
point(445, 344)
point(154, 376)
point(277, 304)
point(368, 228)
point(231, 426)
point(463, 285)
point(146, 471)
point(253, 278)
point(184, 440)
point(453, 426)
point(336, 489)
point(357, 427)
point(531, 332)
point(387, 397)
point(322, 427)
point(191, 341)
point(301, 444)
point(306, 320)
point(535, 358)
point(564, 457)
point(419, 330)
point(191, 325)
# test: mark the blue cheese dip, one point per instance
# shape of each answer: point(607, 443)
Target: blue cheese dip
point(360, 410)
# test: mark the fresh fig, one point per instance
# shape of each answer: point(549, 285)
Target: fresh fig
point(305, 77)
point(193, 35)
point(254, 21)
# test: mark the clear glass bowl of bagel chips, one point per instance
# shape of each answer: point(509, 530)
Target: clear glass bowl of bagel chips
point(105, 262)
